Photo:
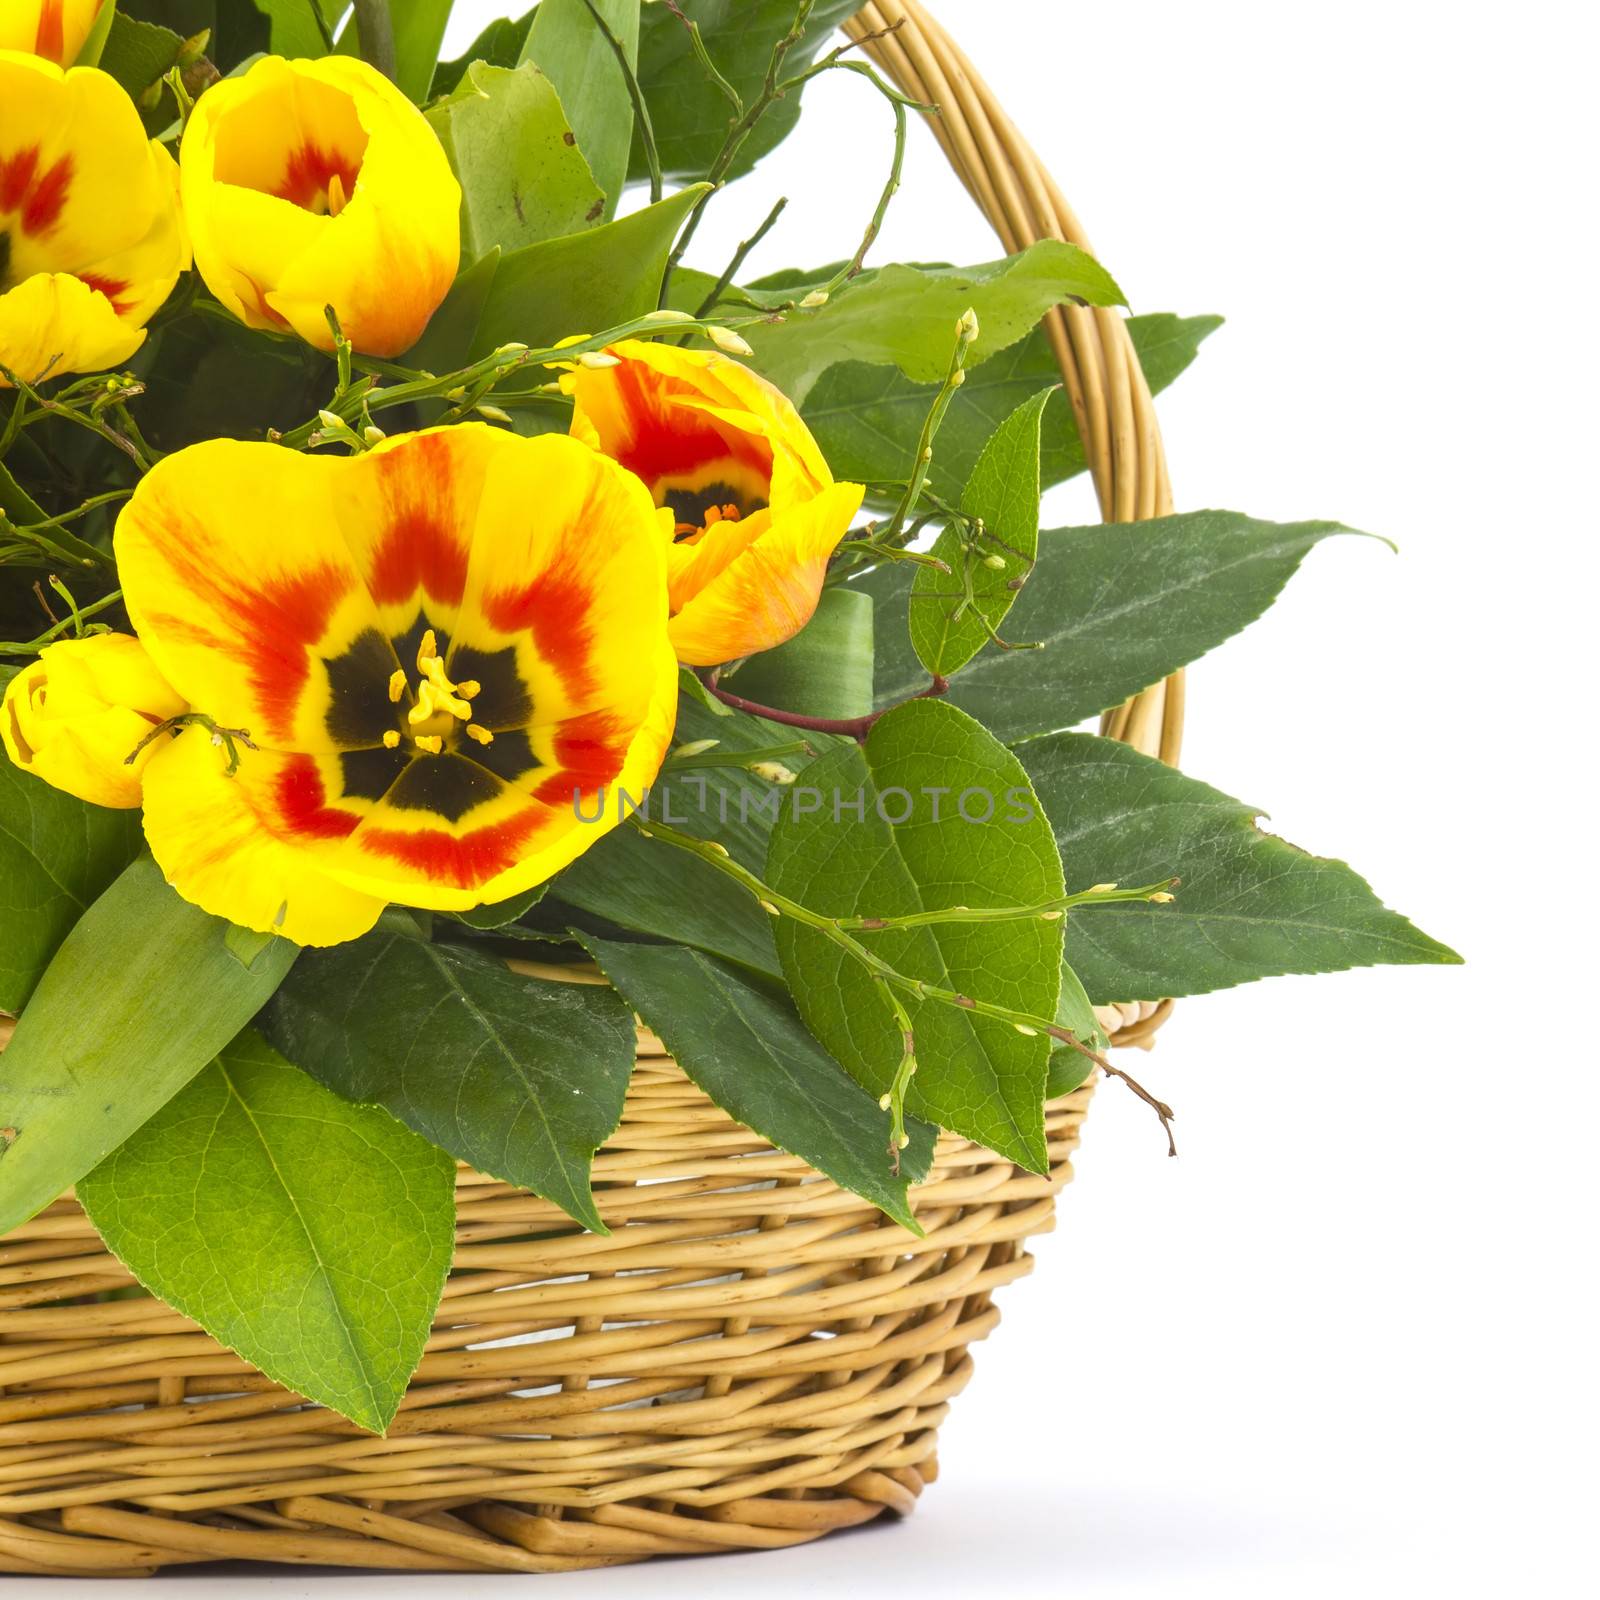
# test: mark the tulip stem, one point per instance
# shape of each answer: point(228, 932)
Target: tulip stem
point(33, 646)
point(641, 110)
point(375, 31)
point(955, 376)
point(856, 728)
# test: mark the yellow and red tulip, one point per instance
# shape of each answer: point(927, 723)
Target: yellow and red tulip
point(755, 509)
point(440, 651)
point(53, 29)
point(74, 716)
point(315, 183)
point(91, 242)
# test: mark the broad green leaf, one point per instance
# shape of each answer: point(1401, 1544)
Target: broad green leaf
point(294, 31)
point(740, 1039)
point(867, 418)
point(1115, 606)
point(523, 1078)
point(544, 292)
point(948, 820)
point(143, 993)
point(419, 27)
point(15, 501)
point(312, 1236)
point(506, 911)
point(137, 54)
point(689, 115)
point(906, 316)
point(953, 615)
point(500, 44)
point(579, 60)
point(1069, 1067)
point(824, 671)
point(652, 889)
point(57, 855)
point(522, 177)
point(1248, 905)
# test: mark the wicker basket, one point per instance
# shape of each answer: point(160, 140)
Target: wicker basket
point(752, 1358)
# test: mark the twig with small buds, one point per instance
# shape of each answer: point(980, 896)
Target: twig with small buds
point(955, 376)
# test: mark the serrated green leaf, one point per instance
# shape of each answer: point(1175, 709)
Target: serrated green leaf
point(688, 114)
point(1248, 904)
point(1116, 606)
point(740, 1039)
point(906, 316)
point(505, 911)
point(568, 46)
point(143, 994)
point(522, 1077)
point(935, 766)
point(311, 1236)
point(824, 671)
point(522, 176)
point(57, 855)
point(867, 418)
point(954, 614)
point(138, 54)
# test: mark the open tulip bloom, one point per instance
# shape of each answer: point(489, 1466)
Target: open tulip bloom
point(459, 565)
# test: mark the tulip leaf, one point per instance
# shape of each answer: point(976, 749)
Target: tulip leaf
point(16, 503)
point(94, 42)
point(1248, 905)
point(947, 819)
point(522, 177)
point(568, 45)
point(57, 854)
point(311, 1236)
point(1115, 607)
point(142, 994)
point(739, 1038)
point(545, 292)
point(906, 317)
point(419, 27)
point(293, 27)
point(522, 1077)
point(955, 613)
point(825, 670)
point(867, 418)
point(690, 118)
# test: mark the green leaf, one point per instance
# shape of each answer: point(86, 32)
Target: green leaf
point(935, 768)
point(824, 671)
point(1248, 905)
point(523, 1078)
point(522, 177)
point(544, 292)
point(138, 54)
point(1116, 607)
point(505, 911)
point(953, 615)
point(579, 60)
point(689, 115)
point(740, 1039)
point(15, 501)
point(311, 1236)
point(500, 44)
point(906, 316)
point(57, 855)
point(1069, 1067)
point(418, 32)
point(143, 993)
point(642, 886)
point(94, 43)
point(867, 418)
point(294, 30)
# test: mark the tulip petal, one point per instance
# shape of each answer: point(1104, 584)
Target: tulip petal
point(54, 323)
point(53, 29)
point(213, 837)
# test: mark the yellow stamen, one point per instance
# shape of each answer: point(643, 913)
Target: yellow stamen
point(431, 742)
point(428, 648)
point(397, 684)
point(424, 708)
point(337, 198)
point(470, 690)
point(391, 740)
point(482, 735)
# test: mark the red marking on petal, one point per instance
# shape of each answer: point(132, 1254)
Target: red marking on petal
point(670, 439)
point(556, 609)
point(302, 803)
point(310, 171)
point(51, 39)
point(41, 211)
point(110, 288)
point(589, 751)
point(463, 861)
point(16, 177)
point(421, 549)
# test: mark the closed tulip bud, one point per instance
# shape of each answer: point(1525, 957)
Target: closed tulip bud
point(76, 715)
point(315, 183)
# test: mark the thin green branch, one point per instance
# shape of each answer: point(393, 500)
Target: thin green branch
point(641, 111)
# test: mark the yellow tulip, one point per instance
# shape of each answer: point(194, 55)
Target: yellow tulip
point(91, 242)
point(76, 715)
point(54, 29)
point(315, 183)
point(445, 651)
point(756, 511)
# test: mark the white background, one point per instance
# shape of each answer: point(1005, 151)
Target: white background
point(1345, 1342)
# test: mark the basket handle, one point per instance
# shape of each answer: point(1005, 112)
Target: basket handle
point(1104, 381)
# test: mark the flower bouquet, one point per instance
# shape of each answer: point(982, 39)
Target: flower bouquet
point(459, 639)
